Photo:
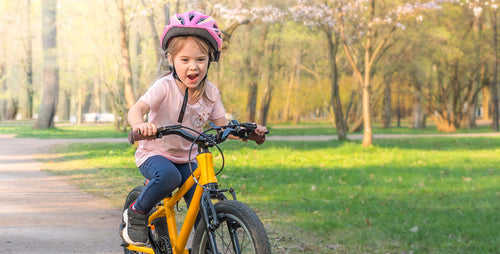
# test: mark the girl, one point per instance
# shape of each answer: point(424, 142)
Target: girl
point(191, 41)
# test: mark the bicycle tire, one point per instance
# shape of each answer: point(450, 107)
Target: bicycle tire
point(249, 229)
point(131, 197)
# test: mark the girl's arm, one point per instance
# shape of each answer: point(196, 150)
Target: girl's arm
point(136, 119)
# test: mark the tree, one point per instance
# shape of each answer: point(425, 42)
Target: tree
point(450, 70)
point(160, 58)
point(29, 63)
point(253, 61)
point(321, 16)
point(495, 80)
point(125, 57)
point(374, 31)
point(50, 66)
point(274, 66)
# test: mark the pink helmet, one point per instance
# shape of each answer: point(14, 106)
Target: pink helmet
point(193, 24)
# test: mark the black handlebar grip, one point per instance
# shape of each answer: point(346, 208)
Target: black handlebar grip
point(135, 136)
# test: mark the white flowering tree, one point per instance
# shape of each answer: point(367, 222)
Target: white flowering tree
point(362, 21)
point(355, 23)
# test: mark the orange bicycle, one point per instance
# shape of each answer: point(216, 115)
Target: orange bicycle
point(226, 225)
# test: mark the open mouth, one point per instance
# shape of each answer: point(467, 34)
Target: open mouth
point(193, 77)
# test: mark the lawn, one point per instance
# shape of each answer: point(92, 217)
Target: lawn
point(412, 195)
point(25, 130)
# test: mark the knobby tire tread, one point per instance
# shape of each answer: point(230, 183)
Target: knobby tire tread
point(246, 215)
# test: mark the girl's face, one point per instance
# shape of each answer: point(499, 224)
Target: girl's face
point(191, 63)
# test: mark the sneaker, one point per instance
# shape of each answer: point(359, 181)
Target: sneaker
point(135, 227)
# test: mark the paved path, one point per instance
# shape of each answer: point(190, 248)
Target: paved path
point(42, 213)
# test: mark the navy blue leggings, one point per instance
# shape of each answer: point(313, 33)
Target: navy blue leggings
point(165, 176)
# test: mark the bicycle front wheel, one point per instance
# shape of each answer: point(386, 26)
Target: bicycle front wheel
point(240, 231)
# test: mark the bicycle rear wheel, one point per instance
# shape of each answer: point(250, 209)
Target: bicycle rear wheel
point(240, 231)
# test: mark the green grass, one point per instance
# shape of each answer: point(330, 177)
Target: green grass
point(325, 129)
point(425, 195)
point(25, 129)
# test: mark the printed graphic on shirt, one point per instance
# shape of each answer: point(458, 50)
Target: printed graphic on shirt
point(198, 120)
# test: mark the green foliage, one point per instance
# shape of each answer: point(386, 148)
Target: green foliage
point(432, 195)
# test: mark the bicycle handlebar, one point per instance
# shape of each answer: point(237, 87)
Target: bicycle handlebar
point(244, 131)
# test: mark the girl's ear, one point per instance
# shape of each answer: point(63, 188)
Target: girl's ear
point(170, 60)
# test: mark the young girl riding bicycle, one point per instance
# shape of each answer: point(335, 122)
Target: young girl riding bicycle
point(191, 41)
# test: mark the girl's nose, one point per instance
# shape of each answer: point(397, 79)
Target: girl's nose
point(193, 66)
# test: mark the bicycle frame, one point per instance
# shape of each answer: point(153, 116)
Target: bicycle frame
point(206, 175)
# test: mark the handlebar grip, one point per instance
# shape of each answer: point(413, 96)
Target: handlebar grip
point(135, 136)
point(257, 138)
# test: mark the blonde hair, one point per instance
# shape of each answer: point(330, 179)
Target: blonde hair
point(176, 44)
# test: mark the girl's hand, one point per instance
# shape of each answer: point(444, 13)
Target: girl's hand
point(258, 135)
point(146, 129)
point(261, 130)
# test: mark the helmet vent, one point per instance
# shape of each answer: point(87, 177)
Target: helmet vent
point(201, 20)
point(181, 20)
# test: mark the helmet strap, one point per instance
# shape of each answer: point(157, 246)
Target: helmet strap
point(184, 102)
point(183, 108)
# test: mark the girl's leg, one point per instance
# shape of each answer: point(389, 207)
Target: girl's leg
point(165, 178)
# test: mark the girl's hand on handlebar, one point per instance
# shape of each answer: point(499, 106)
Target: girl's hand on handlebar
point(258, 134)
point(146, 129)
point(261, 130)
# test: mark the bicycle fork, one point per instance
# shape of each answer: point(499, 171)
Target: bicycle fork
point(210, 219)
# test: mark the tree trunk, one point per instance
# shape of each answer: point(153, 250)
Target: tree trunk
point(486, 103)
point(253, 65)
point(418, 115)
point(293, 79)
point(126, 66)
point(29, 64)
point(160, 58)
point(386, 105)
point(266, 100)
point(66, 105)
point(335, 101)
point(367, 120)
point(252, 101)
point(3, 89)
point(50, 67)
